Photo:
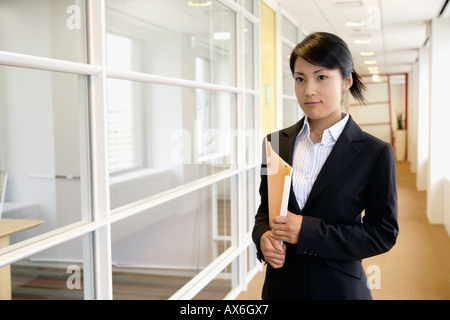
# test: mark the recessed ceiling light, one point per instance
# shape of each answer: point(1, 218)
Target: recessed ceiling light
point(367, 53)
point(376, 78)
point(199, 3)
point(348, 4)
point(355, 23)
point(362, 41)
point(370, 62)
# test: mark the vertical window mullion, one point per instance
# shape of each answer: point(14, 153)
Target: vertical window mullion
point(100, 249)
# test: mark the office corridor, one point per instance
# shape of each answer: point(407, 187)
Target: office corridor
point(418, 266)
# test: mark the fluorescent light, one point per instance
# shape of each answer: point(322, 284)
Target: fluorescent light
point(355, 23)
point(376, 78)
point(348, 4)
point(221, 36)
point(372, 68)
point(367, 53)
point(362, 41)
point(370, 61)
point(199, 3)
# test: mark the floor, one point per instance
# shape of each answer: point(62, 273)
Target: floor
point(417, 267)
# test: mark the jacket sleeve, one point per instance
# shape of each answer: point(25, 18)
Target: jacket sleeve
point(262, 216)
point(377, 231)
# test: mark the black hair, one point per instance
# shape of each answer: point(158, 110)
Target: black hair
point(330, 51)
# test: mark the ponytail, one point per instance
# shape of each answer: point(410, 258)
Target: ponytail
point(357, 88)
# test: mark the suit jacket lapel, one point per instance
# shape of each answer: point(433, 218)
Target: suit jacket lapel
point(340, 157)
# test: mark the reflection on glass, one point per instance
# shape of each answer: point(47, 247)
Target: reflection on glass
point(43, 148)
point(158, 251)
point(47, 28)
point(180, 135)
point(168, 35)
point(53, 274)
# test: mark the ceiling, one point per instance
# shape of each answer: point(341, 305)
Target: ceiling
point(396, 28)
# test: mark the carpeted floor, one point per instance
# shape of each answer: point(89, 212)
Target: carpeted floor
point(48, 283)
point(418, 266)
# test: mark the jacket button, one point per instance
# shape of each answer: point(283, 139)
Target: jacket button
point(305, 251)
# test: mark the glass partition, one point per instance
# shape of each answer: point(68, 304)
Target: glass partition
point(47, 28)
point(168, 35)
point(180, 135)
point(249, 55)
point(44, 148)
point(53, 274)
point(158, 251)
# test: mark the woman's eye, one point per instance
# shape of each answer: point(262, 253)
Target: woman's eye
point(322, 77)
point(299, 79)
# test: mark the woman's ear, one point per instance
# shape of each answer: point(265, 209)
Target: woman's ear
point(348, 82)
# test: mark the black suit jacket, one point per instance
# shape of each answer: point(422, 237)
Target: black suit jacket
point(350, 214)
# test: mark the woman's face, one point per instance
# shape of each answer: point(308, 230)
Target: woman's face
point(319, 91)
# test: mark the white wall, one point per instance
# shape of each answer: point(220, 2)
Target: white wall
point(439, 155)
point(423, 110)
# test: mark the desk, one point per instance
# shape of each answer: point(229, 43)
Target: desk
point(7, 228)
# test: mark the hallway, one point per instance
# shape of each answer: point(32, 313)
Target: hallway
point(418, 266)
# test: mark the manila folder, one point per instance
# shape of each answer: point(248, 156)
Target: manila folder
point(278, 183)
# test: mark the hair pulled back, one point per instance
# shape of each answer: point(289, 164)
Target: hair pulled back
point(329, 51)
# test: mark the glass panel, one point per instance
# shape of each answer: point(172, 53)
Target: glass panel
point(290, 30)
point(249, 55)
point(222, 284)
point(54, 274)
point(248, 5)
point(168, 35)
point(47, 28)
point(288, 79)
point(44, 148)
point(252, 189)
point(250, 129)
point(291, 112)
point(251, 258)
point(185, 135)
point(158, 251)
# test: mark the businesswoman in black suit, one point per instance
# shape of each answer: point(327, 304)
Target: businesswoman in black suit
point(343, 202)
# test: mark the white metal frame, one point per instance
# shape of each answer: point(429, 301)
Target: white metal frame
point(96, 234)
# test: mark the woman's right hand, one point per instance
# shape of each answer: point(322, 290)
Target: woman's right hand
point(274, 252)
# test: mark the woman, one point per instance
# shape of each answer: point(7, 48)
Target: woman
point(343, 201)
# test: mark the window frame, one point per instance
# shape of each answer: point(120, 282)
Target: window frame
point(96, 233)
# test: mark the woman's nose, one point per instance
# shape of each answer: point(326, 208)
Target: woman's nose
point(310, 88)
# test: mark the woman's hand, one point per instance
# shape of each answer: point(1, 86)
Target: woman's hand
point(274, 252)
point(287, 228)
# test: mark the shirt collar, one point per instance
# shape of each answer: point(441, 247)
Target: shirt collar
point(330, 135)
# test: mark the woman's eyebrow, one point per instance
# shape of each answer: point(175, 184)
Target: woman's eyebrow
point(314, 72)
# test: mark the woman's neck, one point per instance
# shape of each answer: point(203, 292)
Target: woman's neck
point(320, 125)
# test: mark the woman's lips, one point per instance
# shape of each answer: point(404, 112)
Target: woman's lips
point(312, 103)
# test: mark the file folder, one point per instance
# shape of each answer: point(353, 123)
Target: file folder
point(279, 174)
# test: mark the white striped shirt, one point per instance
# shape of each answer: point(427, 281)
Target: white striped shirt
point(309, 158)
